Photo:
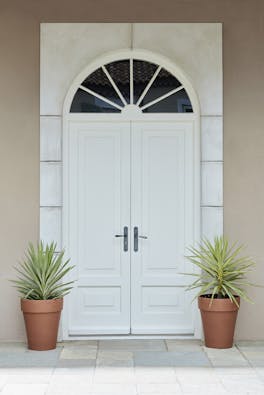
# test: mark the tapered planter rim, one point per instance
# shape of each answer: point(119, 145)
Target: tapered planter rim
point(41, 306)
point(207, 304)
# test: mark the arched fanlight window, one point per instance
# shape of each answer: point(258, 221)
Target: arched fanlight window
point(115, 85)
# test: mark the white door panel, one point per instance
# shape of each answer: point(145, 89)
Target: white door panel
point(162, 209)
point(99, 198)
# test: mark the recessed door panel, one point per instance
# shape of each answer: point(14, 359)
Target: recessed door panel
point(99, 197)
point(162, 209)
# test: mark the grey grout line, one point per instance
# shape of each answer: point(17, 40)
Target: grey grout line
point(207, 356)
point(243, 355)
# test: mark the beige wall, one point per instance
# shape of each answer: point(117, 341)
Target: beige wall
point(243, 35)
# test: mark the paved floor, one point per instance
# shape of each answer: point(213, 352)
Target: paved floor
point(132, 367)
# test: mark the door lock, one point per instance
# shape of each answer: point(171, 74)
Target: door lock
point(125, 236)
point(136, 237)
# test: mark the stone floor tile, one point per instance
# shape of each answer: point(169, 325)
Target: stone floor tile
point(229, 363)
point(28, 378)
point(115, 358)
point(70, 385)
point(79, 352)
point(13, 347)
point(155, 375)
point(205, 388)
point(255, 357)
point(3, 381)
point(226, 357)
point(193, 380)
point(159, 388)
point(250, 343)
point(117, 375)
point(133, 345)
point(183, 345)
point(76, 369)
point(114, 388)
point(245, 383)
point(118, 355)
point(30, 358)
point(173, 358)
point(230, 370)
point(256, 363)
point(15, 371)
point(197, 375)
point(24, 389)
point(75, 363)
point(114, 363)
point(259, 372)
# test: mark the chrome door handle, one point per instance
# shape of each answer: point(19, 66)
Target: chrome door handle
point(125, 236)
point(136, 237)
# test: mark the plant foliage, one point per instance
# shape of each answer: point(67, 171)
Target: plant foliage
point(223, 269)
point(41, 273)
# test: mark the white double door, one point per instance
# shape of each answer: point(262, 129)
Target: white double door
point(131, 216)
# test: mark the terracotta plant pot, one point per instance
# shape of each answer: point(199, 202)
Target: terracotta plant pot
point(219, 321)
point(42, 319)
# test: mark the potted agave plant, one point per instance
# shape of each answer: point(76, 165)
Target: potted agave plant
point(221, 282)
point(41, 288)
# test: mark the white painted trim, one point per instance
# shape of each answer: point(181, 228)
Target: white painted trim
point(100, 97)
point(136, 116)
point(67, 117)
point(145, 91)
point(198, 332)
point(129, 337)
point(114, 85)
point(162, 97)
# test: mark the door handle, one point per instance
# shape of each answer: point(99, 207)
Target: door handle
point(136, 237)
point(125, 236)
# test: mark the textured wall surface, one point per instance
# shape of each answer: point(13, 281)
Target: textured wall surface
point(243, 63)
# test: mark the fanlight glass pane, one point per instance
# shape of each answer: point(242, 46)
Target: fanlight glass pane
point(163, 83)
point(112, 82)
point(142, 74)
point(99, 83)
point(85, 102)
point(120, 73)
point(177, 102)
